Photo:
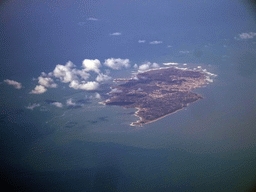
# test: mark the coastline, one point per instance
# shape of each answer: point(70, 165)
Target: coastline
point(136, 115)
point(140, 118)
point(197, 81)
point(148, 122)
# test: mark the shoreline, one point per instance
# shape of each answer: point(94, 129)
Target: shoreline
point(136, 115)
point(202, 79)
point(207, 74)
point(140, 118)
point(161, 117)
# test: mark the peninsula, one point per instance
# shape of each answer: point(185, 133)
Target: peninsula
point(157, 93)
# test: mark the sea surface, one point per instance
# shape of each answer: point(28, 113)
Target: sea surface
point(208, 146)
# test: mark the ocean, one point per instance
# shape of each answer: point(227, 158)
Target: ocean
point(207, 146)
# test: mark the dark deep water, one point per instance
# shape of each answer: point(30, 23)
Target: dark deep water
point(209, 146)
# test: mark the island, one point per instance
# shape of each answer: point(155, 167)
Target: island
point(157, 93)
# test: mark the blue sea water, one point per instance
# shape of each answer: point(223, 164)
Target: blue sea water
point(209, 146)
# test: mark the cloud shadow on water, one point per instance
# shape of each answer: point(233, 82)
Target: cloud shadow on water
point(49, 101)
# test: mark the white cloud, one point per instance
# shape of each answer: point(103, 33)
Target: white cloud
point(16, 84)
point(116, 34)
point(43, 74)
point(147, 66)
point(57, 104)
point(92, 65)
point(74, 84)
point(31, 107)
point(144, 66)
point(155, 65)
point(97, 96)
point(64, 72)
point(47, 82)
point(39, 89)
point(141, 41)
point(171, 63)
point(117, 63)
point(90, 85)
point(70, 102)
point(102, 77)
point(67, 73)
point(50, 74)
point(247, 35)
point(135, 66)
point(169, 46)
point(155, 42)
point(92, 19)
point(82, 73)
